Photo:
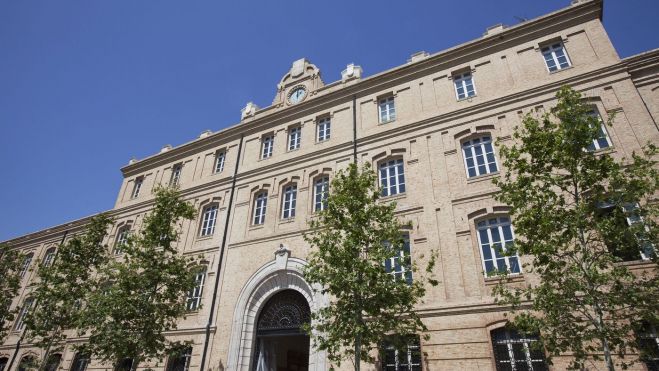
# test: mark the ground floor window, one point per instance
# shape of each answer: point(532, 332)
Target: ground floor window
point(80, 362)
point(401, 355)
point(180, 361)
point(515, 352)
point(648, 339)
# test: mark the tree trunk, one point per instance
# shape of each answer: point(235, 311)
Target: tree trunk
point(358, 352)
point(607, 355)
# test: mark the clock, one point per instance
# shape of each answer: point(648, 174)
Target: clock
point(297, 95)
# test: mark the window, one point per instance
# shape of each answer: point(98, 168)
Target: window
point(464, 85)
point(180, 361)
point(53, 362)
point(603, 140)
point(479, 156)
point(324, 129)
point(387, 109)
point(3, 363)
point(266, 146)
point(392, 177)
point(125, 364)
point(27, 363)
point(137, 187)
point(208, 218)
point(20, 321)
point(635, 243)
point(289, 199)
point(80, 362)
point(321, 192)
point(194, 296)
point(405, 358)
point(400, 266)
point(122, 239)
point(49, 257)
point(260, 204)
point(26, 264)
point(648, 343)
point(294, 136)
point(219, 161)
point(514, 352)
point(495, 235)
point(175, 178)
point(555, 57)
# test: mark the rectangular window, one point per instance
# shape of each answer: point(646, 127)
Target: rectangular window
point(26, 264)
point(464, 85)
point(260, 205)
point(479, 156)
point(387, 109)
point(137, 187)
point(324, 129)
point(603, 140)
point(495, 235)
point(648, 343)
point(407, 358)
point(49, 257)
point(288, 201)
point(321, 192)
point(180, 362)
point(639, 229)
point(294, 137)
point(208, 221)
point(219, 161)
point(555, 57)
point(267, 143)
point(400, 266)
point(176, 175)
point(194, 296)
point(392, 177)
point(514, 352)
point(80, 362)
point(122, 238)
point(20, 322)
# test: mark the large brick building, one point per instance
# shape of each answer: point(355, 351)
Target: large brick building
point(429, 127)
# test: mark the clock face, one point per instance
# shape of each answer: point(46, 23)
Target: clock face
point(297, 95)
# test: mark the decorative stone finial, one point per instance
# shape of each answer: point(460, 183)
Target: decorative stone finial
point(494, 29)
point(205, 133)
point(418, 56)
point(351, 72)
point(165, 148)
point(132, 161)
point(249, 110)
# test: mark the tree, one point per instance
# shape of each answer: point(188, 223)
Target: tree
point(64, 286)
point(143, 294)
point(579, 214)
point(10, 271)
point(351, 240)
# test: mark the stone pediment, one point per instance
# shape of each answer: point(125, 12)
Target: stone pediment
point(301, 82)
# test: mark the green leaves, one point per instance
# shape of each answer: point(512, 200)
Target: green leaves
point(576, 215)
point(10, 269)
point(352, 239)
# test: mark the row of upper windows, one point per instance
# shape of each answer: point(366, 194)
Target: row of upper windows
point(323, 133)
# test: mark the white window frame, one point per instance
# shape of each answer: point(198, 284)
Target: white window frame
point(398, 270)
point(27, 261)
point(632, 217)
point(294, 137)
point(187, 355)
point(464, 80)
point(49, 257)
point(411, 346)
point(260, 208)
point(604, 134)
point(549, 53)
point(487, 226)
point(471, 147)
point(195, 295)
point(387, 109)
point(25, 309)
point(208, 220)
point(388, 170)
point(650, 333)
point(175, 178)
point(122, 238)
point(137, 187)
point(289, 201)
point(508, 342)
point(323, 129)
point(267, 144)
point(220, 158)
point(320, 192)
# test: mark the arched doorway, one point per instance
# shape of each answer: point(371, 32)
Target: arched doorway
point(281, 343)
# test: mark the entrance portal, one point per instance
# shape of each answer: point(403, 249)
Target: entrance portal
point(281, 344)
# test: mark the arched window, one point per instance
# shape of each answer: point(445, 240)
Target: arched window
point(26, 264)
point(260, 205)
point(320, 192)
point(648, 343)
point(479, 157)
point(208, 219)
point(122, 239)
point(180, 361)
point(495, 235)
point(194, 296)
point(53, 362)
point(602, 141)
point(25, 309)
point(124, 365)
point(514, 352)
point(400, 266)
point(289, 201)
point(3, 363)
point(80, 362)
point(392, 177)
point(27, 363)
point(49, 257)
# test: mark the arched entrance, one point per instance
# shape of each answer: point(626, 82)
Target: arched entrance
point(281, 344)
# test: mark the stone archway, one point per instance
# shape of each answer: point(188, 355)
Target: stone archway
point(282, 273)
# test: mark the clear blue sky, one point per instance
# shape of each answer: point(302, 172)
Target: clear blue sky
point(85, 85)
